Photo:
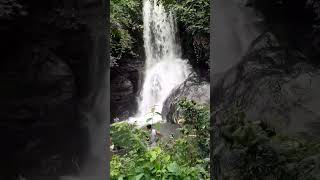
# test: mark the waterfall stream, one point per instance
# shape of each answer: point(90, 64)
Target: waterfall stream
point(236, 26)
point(164, 68)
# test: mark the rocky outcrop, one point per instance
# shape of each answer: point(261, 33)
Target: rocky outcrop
point(196, 48)
point(274, 84)
point(193, 88)
point(126, 77)
point(125, 83)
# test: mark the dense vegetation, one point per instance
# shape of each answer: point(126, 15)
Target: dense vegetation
point(193, 15)
point(256, 150)
point(185, 157)
point(126, 23)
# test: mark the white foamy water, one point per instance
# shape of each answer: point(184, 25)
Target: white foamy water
point(165, 69)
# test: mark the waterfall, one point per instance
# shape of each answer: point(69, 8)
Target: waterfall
point(236, 26)
point(164, 68)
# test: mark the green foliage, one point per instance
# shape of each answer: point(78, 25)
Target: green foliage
point(255, 150)
point(128, 137)
point(197, 122)
point(185, 151)
point(154, 164)
point(125, 18)
point(179, 159)
point(152, 115)
point(194, 15)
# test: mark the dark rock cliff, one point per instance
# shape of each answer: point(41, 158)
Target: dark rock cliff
point(126, 81)
point(195, 48)
point(273, 84)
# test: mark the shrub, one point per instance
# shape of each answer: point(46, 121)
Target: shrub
point(180, 159)
point(255, 150)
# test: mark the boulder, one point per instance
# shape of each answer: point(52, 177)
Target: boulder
point(193, 88)
point(273, 84)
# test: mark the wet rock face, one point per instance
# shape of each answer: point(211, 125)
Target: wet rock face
point(272, 84)
point(193, 88)
point(196, 50)
point(125, 84)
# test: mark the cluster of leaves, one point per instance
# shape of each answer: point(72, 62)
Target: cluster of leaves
point(154, 164)
point(128, 137)
point(196, 122)
point(194, 15)
point(138, 162)
point(125, 18)
point(180, 158)
point(254, 150)
point(152, 115)
point(185, 151)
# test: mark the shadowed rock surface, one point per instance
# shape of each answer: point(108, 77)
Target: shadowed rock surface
point(193, 88)
point(272, 83)
point(125, 84)
point(275, 84)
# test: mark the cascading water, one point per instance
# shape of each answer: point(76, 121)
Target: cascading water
point(236, 26)
point(164, 67)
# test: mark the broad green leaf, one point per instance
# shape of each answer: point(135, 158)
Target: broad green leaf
point(138, 177)
point(173, 167)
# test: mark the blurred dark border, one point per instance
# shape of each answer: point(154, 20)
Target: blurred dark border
point(54, 75)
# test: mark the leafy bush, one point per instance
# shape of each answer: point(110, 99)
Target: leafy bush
point(125, 18)
point(156, 163)
point(128, 137)
point(255, 150)
point(194, 15)
point(197, 122)
point(183, 158)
